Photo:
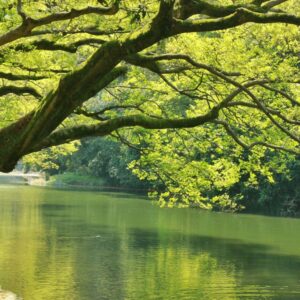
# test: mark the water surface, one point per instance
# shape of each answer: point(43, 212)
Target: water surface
point(68, 245)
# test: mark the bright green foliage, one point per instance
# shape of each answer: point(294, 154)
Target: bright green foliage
point(48, 159)
point(200, 166)
point(103, 158)
point(217, 82)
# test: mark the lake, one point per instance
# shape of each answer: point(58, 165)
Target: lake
point(64, 245)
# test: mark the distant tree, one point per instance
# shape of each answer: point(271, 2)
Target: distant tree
point(106, 159)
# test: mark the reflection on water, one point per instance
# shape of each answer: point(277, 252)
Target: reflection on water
point(83, 245)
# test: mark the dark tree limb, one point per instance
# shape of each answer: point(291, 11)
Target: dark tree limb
point(89, 31)
point(106, 127)
point(188, 8)
point(273, 3)
point(20, 10)
point(16, 77)
point(240, 17)
point(28, 23)
point(53, 46)
point(19, 90)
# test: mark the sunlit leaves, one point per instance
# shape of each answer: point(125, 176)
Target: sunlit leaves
point(199, 166)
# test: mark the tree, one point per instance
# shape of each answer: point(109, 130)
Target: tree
point(103, 158)
point(54, 54)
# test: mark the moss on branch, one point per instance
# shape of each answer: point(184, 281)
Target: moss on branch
point(106, 127)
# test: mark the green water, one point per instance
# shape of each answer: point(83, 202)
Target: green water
point(87, 245)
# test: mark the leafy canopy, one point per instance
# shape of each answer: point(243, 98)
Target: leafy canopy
point(216, 82)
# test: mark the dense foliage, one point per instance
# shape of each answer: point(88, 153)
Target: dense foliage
point(108, 160)
point(217, 83)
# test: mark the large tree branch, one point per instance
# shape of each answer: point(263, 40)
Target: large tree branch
point(79, 86)
point(104, 128)
point(241, 16)
point(28, 24)
point(20, 10)
point(188, 8)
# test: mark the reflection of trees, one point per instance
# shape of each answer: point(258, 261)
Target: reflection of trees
point(20, 220)
point(172, 274)
point(30, 258)
point(45, 256)
point(177, 266)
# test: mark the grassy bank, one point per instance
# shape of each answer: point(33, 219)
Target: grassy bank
point(71, 179)
point(74, 180)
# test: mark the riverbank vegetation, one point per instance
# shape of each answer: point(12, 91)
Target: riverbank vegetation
point(198, 100)
point(92, 165)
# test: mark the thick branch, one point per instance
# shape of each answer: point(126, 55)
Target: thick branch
point(241, 16)
point(79, 86)
point(187, 8)
point(29, 24)
point(104, 128)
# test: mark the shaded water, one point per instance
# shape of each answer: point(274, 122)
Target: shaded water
point(88, 245)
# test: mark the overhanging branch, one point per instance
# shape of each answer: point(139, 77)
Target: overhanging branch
point(188, 8)
point(28, 23)
point(240, 17)
point(104, 128)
